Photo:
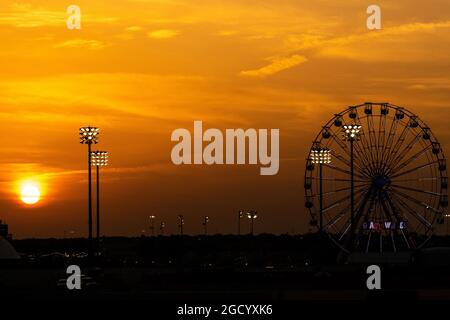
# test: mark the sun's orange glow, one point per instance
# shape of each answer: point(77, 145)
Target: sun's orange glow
point(30, 193)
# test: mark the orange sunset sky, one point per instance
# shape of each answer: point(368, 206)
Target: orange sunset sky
point(139, 69)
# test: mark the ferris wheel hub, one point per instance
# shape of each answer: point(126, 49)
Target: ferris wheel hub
point(381, 181)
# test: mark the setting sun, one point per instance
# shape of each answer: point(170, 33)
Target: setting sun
point(30, 193)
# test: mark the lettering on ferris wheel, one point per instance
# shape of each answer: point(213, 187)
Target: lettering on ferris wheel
point(386, 225)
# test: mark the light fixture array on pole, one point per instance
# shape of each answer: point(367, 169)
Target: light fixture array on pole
point(240, 216)
point(205, 224)
point(99, 159)
point(320, 155)
point(89, 135)
point(181, 223)
point(351, 134)
point(152, 224)
point(252, 215)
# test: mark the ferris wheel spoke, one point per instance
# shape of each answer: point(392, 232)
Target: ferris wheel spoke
point(413, 213)
point(344, 171)
point(366, 217)
point(410, 160)
point(393, 242)
point(346, 162)
point(337, 217)
point(405, 239)
point(368, 162)
point(362, 138)
point(343, 180)
point(381, 143)
point(413, 169)
point(394, 151)
point(314, 195)
point(402, 153)
point(416, 190)
point(400, 195)
point(340, 201)
point(365, 151)
point(373, 143)
point(390, 140)
point(361, 202)
point(414, 200)
point(409, 211)
point(367, 145)
point(367, 166)
point(418, 179)
point(395, 212)
point(344, 189)
point(358, 164)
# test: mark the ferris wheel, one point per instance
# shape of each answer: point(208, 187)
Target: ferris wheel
point(376, 180)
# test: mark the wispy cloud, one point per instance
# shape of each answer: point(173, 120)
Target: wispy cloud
point(163, 34)
point(81, 43)
point(354, 46)
point(275, 66)
point(29, 16)
point(133, 28)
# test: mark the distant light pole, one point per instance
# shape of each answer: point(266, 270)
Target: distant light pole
point(240, 216)
point(320, 155)
point(252, 215)
point(99, 159)
point(152, 224)
point(205, 224)
point(89, 136)
point(162, 225)
point(70, 232)
point(351, 134)
point(181, 223)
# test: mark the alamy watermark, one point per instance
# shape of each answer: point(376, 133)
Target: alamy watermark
point(74, 279)
point(374, 20)
point(229, 148)
point(74, 20)
point(374, 280)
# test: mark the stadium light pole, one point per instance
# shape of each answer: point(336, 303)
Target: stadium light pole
point(205, 224)
point(252, 215)
point(320, 155)
point(99, 159)
point(181, 223)
point(152, 224)
point(89, 135)
point(351, 134)
point(240, 216)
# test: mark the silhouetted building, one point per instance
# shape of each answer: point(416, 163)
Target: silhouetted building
point(4, 231)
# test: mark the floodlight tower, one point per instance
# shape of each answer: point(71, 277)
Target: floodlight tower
point(320, 155)
point(240, 216)
point(152, 224)
point(99, 159)
point(89, 136)
point(205, 224)
point(252, 215)
point(181, 223)
point(351, 134)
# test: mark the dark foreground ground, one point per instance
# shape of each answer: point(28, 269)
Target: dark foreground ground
point(219, 269)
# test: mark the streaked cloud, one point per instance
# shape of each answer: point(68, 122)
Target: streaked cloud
point(163, 34)
point(275, 66)
point(82, 43)
point(26, 15)
point(134, 28)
